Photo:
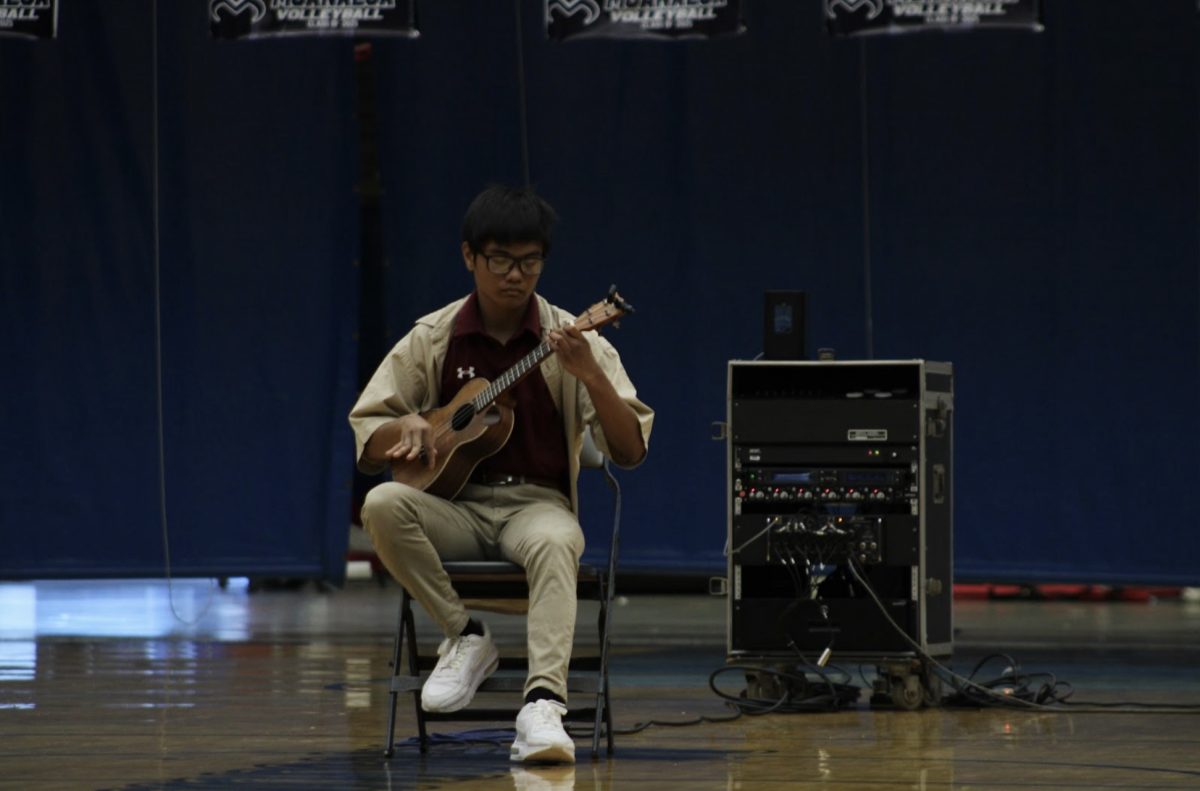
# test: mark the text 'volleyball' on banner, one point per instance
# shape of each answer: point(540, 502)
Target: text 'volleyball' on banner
point(864, 17)
point(258, 18)
point(641, 19)
point(29, 18)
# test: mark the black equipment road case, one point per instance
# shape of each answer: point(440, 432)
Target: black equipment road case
point(840, 517)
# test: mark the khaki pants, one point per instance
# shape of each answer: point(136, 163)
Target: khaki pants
point(532, 526)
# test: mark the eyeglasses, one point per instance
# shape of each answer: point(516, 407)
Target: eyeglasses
point(501, 264)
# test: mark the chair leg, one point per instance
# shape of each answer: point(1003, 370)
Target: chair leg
point(601, 714)
point(603, 711)
point(414, 669)
point(389, 745)
point(608, 723)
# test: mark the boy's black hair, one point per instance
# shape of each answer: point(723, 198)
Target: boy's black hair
point(505, 215)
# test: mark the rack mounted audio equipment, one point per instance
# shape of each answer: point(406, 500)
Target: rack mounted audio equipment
point(839, 479)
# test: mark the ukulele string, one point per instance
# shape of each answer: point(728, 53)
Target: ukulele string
point(479, 403)
point(490, 393)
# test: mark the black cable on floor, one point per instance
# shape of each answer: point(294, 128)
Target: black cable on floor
point(1014, 690)
point(832, 697)
point(641, 726)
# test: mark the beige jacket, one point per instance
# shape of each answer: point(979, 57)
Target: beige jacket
point(409, 378)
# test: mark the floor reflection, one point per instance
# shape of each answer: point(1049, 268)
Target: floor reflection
point(543, 778)
point(124, 608)
point(144, 685)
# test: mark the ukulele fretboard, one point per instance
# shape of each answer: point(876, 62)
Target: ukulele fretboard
point(510, 377)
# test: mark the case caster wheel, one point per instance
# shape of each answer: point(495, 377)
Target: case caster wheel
point(907, 685)
point(907, 692)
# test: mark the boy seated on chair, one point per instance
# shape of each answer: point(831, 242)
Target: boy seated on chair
point(520, 503)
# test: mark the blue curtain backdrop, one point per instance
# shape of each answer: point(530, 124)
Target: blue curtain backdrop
point(258, 239)
point(1031, 203)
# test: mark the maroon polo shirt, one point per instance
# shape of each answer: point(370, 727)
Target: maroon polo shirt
point(537, 446)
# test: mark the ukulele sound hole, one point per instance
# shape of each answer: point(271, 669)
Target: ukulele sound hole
point(462, 417)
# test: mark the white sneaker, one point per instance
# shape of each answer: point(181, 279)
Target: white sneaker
point(465, 662)
point(540, 734)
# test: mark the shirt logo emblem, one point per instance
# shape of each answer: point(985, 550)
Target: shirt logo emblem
point(466, 373)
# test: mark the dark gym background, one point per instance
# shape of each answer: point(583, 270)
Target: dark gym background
point(1022, 205)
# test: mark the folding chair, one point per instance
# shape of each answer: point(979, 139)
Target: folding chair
point(500, 586)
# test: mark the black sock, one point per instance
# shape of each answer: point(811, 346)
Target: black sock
point(473, 627)
point(541, 693)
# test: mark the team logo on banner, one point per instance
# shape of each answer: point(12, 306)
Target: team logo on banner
point(642, 18)
point(253, 18)
point(29, 18)
point(861, 17)
point(224, 9)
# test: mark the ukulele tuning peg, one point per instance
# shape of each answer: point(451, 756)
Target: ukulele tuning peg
point(615, 299)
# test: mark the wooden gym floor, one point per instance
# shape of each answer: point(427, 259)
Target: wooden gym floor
point(141, 685)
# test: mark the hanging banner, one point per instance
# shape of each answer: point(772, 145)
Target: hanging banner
point(29, 18)
point(864, 17)
point(642, 18)
point(255, 18)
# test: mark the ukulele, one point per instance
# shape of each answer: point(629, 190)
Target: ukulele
point(479, 419)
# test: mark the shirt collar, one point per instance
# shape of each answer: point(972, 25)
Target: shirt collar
point(470, 320)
